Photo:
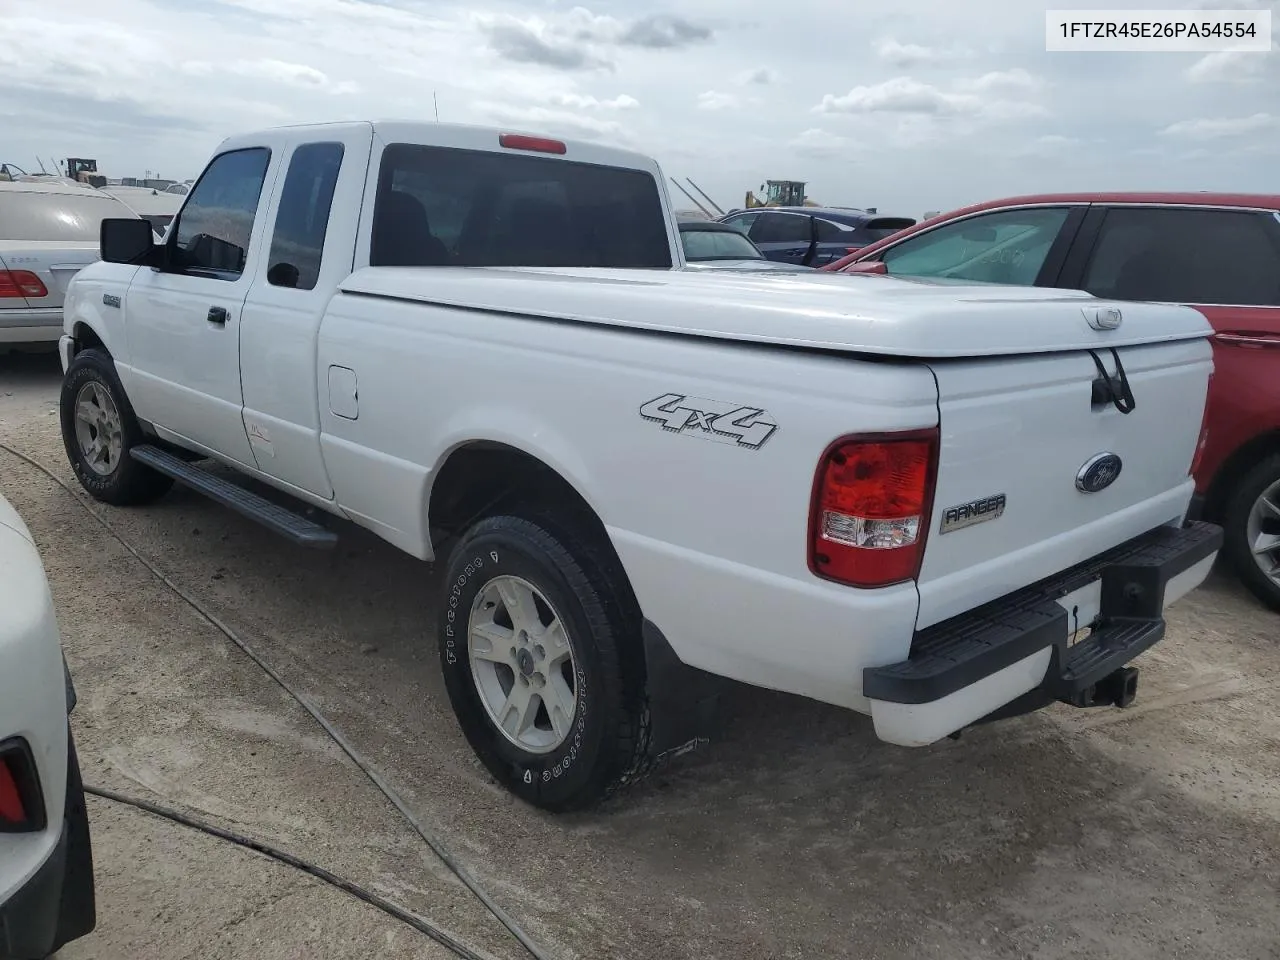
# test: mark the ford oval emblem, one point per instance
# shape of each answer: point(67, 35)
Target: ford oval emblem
point(1098, 473)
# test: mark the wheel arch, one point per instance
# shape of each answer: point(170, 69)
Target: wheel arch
point(681, 699)
point(85, 337)
point(478, 475)
point(1239, 462)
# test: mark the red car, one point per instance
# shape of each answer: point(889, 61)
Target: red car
point(1217, 252)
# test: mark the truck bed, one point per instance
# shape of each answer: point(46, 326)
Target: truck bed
point(870, 315)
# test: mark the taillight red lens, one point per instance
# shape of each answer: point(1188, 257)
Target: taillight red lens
point(870, 510)
point(12, 811)
point(21, 805)
point(21, 283)
point(519, 141)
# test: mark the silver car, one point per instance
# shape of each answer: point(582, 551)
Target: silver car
point(48, 232)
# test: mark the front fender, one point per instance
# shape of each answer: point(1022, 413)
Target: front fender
point(95, 301)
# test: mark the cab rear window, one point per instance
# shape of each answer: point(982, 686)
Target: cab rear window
point(442, 206)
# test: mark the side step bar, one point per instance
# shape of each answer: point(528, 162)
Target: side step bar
point(291, 526)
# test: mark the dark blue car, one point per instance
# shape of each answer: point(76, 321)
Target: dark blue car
point(784, 233)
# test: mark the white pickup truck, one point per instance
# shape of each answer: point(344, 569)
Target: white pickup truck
point(936, 504)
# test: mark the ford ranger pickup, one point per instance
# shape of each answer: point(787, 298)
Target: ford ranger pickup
point(938, 504)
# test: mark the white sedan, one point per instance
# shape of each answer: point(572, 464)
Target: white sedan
point(46, 862)
point(48, 232)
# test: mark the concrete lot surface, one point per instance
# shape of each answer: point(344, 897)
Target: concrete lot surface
point(1150, 832)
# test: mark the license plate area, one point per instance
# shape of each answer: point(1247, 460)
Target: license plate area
point(1083, 606)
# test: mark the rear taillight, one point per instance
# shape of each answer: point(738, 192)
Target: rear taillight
point(21, 806)
point(21, 283)
point(870, 510)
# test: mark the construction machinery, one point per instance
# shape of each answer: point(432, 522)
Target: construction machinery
point(85, 171)
point(780, 193)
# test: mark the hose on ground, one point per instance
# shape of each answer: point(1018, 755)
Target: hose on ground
point(320, 873)
point(365, 767)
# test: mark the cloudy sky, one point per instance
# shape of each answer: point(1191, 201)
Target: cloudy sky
point(907, 105)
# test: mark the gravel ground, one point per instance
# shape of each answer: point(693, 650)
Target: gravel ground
point(1149, 832)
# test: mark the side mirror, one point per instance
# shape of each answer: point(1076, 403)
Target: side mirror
point(127, 241)
point(867, 266)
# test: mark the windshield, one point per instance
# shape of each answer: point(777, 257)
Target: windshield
point(718, 245)
point(55, 216)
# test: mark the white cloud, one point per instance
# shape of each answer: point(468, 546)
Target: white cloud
point(899, 95)
point(1217, 128)
point(1228, 66)
point(762, 76)
point(913, 54)
point(1016, 80)
point(816, 142)
point(715, 100)
point(587, 102)
point(273, 71)
point(564, 123)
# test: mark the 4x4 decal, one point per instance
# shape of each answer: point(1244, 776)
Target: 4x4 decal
point(711, 419)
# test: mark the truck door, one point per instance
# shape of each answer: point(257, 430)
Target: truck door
point(309, 247)
point(184, 320)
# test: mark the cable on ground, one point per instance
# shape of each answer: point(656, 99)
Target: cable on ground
point(387, 791)
point(320, 873)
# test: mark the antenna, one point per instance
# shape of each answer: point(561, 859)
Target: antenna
point(692, 198)
point(436, 104)
point(689, 180)
point(38, 160)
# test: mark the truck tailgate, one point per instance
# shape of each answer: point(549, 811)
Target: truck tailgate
point(1018, 433)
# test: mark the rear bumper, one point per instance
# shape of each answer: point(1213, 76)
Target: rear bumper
point(42, 325)
point(1014, 654)
point(1196, 510)
point(57, 904)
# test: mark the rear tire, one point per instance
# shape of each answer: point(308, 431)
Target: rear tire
point(1251, 516)
point(577, 723)
point(98, 431)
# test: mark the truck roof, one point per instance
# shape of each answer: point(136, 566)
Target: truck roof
point(459, 135)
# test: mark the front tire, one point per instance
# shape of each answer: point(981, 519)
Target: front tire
point(1251, 530)
point(541, 652)
point(98, 430)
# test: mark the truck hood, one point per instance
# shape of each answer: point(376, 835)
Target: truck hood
point(829, 311)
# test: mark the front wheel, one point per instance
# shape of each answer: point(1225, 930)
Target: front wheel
point(542, 661)
point(1251, 528)
point(98, 430)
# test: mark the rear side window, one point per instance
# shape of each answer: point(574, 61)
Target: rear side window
point(1187, 256)
point(297, 243)
point(881, 227)
point(439, 206)
point(213, 228)
point(1009, 247)
point(829, 231)
point(31, 215)
point(742, 222)
point(780, 228)
point(717, 245)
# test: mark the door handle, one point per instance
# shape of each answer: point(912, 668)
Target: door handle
point(218, 315)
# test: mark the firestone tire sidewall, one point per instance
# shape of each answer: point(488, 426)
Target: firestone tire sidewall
point(548, 780)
